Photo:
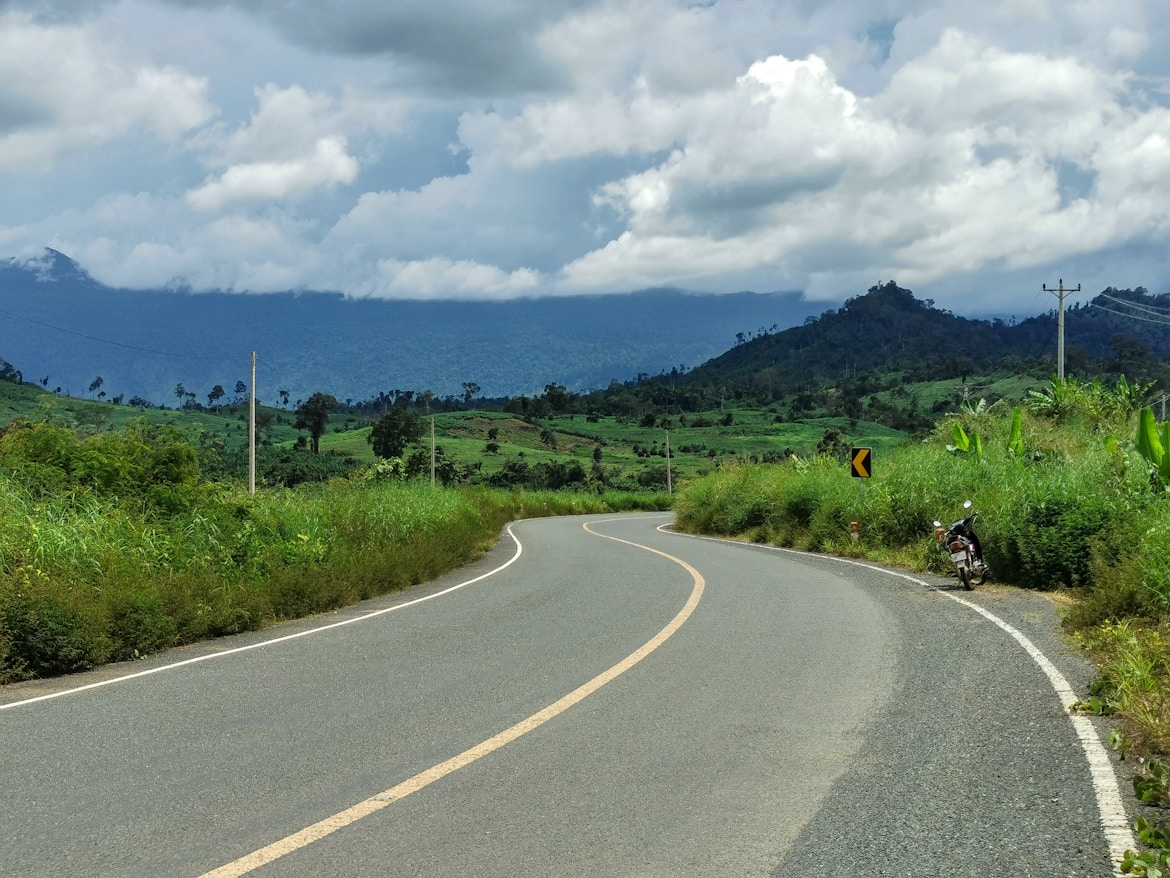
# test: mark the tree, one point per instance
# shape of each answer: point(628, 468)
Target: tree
point(834, 445)
point(470, 389)
point(313, 415)
point(181, 393)
point(283, 394)
point(394, 431)
point(557, 397)
point(8, 372)
point(216, 395)
point(96, 384)
point(241, 389)
point(264, 422)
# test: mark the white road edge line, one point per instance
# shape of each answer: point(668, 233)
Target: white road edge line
point(214, 655)
point(1114, 822)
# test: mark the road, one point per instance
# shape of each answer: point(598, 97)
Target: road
point(593, 697)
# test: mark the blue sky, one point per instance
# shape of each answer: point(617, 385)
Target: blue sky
point(470, 149)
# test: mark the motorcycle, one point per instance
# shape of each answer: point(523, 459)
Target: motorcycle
point(962, 545)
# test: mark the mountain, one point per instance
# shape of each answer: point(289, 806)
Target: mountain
point(889, 330)
point(59, 324)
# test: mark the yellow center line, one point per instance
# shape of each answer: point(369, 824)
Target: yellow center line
point(354, 813)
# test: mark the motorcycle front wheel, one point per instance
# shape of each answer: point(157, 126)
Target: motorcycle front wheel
point(965, 578)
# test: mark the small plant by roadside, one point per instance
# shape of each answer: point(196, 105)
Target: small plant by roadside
point(1152, 785)
point(1155, 862)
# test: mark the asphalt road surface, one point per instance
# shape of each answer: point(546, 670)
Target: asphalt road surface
point(594, 697)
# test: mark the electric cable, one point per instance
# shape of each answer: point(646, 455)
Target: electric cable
point(104, 340)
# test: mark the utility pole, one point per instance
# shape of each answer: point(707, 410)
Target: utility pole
point(1161, 399)
point(1060, 290)
point(668, 488)
point(252, 431)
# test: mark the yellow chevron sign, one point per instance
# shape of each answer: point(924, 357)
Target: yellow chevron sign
point(862, 462)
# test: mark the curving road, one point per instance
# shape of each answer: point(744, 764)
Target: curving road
point(594, 697)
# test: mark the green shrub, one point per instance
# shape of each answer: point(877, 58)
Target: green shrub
point(138, 624)
point(45, 637)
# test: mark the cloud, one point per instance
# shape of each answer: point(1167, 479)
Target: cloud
point(951, 169)
point(328, 165)
point(445, 278)
point(294, 143)
point(496, 148)
point(462, 47)
point(64, 93)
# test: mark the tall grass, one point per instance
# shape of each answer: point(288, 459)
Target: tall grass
point(86, 579)
point(1075, 510)
point(1045, 517)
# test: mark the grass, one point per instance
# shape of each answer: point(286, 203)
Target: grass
point(699, 442)
point(1075, 512)
point(113, 545)
point(625, 446)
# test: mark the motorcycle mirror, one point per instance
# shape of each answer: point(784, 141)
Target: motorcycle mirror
point(967, 504)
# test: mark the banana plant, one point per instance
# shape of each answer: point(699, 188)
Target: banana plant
point(1016, 439)
point(966, 444)
point(1153, 447)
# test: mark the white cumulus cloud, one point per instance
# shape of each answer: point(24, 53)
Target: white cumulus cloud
point(62, 92)
point(328, 165)
point(497, 148)
point(445, 278)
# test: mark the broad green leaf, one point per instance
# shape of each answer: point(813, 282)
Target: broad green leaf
point(1164, 464)
point(1016, 440)
point(1149, 445)
point(961, 441)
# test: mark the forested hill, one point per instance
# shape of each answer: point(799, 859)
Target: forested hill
point(889, 330)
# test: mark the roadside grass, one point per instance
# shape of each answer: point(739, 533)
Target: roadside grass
point(1073, 512)
point(87, 578)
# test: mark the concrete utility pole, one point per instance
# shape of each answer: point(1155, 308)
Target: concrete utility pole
point(252, 431)
point(668, 487)
point(1060, 291)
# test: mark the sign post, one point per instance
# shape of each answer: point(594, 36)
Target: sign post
point(861, 465)
point(861, 462)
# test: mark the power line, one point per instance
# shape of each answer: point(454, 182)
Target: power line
point(1137, 306)
point(1161, 322)
point(105, 340)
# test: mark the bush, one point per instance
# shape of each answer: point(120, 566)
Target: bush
point(45, 637)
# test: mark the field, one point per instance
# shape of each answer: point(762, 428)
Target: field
point(697, 447)
point(699, 441)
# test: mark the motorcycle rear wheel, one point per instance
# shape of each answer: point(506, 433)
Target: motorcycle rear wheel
point(965, 578)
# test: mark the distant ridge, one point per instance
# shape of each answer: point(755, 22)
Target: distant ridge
point(890, 330)
point(60, 324)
